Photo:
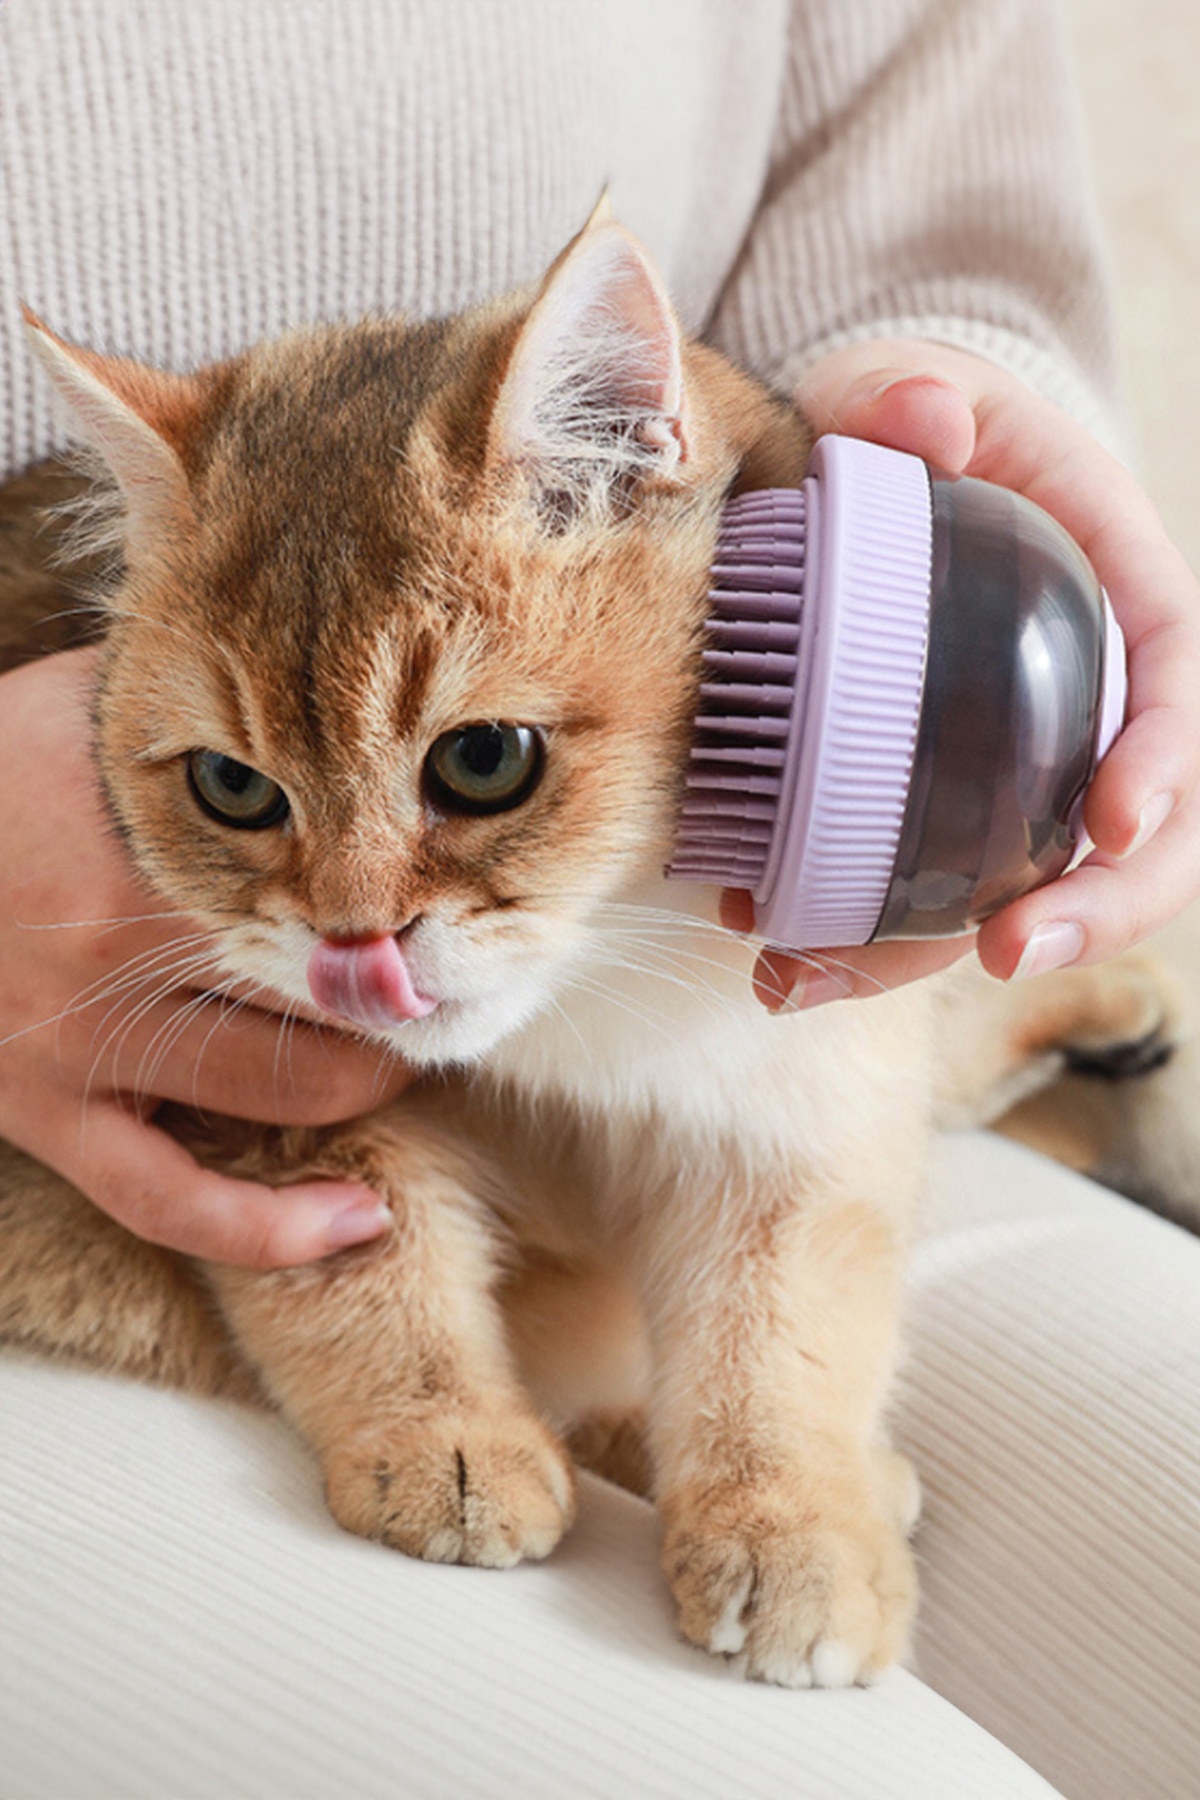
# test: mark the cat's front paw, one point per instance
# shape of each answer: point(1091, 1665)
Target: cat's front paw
point(489, 1487)
point(812, 1589)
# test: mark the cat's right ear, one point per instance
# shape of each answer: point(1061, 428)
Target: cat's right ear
point(136, 417)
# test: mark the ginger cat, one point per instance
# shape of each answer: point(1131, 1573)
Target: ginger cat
point(395, 700)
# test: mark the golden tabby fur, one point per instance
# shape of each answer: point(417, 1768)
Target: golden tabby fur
point(623, 1195)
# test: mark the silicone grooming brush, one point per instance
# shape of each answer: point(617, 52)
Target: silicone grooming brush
point(908, 685)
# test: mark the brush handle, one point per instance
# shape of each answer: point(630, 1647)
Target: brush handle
point(1024, 694)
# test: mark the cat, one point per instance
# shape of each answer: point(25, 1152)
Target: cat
point(395, 698)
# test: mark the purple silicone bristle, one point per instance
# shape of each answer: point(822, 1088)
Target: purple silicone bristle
point(735, 772)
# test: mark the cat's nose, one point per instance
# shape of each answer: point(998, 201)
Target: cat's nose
point(366, 982)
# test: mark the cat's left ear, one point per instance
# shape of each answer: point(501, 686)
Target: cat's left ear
point(594, 398)
point(139, 419)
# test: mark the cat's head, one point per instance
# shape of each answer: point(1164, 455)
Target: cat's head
point(403, 659)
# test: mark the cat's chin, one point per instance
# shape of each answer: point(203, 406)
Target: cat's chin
point(461, 1031)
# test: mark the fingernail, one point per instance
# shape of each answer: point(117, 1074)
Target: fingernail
point(357, 1224)
point(814, 990)
point(887, 381)
point(1051, 946)
point(1152, 817)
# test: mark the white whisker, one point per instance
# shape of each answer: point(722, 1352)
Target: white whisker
point(230, 1006)
point(568, 1021)
point(656, 970)
point(168, 971)
point(159, 1048)
point(94, 994)
point(167, 983)
point(578, 982)
point(106, 924)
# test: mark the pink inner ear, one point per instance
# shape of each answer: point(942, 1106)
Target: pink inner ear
point(603, 328)
point(366, 983)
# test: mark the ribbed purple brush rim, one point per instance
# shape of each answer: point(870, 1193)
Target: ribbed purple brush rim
point(806, 732)
point(735, 774)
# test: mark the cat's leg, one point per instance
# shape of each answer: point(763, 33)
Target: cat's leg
point(1001, 1042)
point(392, 1360)
point(1131, 1120)
point(577, 1332)
point(774, 1325)
point(613, 1442)
point(75, 1283)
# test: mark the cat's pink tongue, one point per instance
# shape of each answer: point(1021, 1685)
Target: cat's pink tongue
point(366, 983)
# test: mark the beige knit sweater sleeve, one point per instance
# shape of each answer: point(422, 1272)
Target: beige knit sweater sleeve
point(928, 179)
point(180, 177)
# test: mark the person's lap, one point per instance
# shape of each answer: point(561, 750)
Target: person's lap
point(179, 1613)
point(1052, 1402)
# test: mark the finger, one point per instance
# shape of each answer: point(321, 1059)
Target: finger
point(250, 1064)
point(1099, 909)
point(1154, 767)
point(1057, 465)
point(737, 910)
point(791, 982)
point(149, 1183)
point(1145, 777)
point(785, 983)
point(917, 412)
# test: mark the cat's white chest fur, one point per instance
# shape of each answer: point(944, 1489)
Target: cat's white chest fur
point(661, 1022)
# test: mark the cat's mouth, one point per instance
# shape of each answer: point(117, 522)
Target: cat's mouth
point(367, 983)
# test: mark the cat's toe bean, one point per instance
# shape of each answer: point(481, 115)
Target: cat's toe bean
point(807, 1598)
point(486, 1488)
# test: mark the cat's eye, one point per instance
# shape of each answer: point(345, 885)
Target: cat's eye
point(235, 794)
point(484, 768)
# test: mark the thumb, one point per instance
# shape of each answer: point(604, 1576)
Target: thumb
point(152, 1186)
point(924, 414)
point(786, 984)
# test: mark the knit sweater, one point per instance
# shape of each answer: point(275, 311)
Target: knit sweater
point(179, 179)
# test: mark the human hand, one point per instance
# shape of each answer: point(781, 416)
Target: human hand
point(102, 997)
point(966, 416)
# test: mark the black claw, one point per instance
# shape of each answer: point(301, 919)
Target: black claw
point(1123, 1062)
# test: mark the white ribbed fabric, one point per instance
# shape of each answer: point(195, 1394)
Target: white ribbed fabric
point(1052, 1403)
point(180, 1620)
point(178, 1615)
point(177, 179)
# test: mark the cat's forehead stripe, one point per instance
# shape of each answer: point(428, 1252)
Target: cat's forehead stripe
point(396, 685)
point(325, 400)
